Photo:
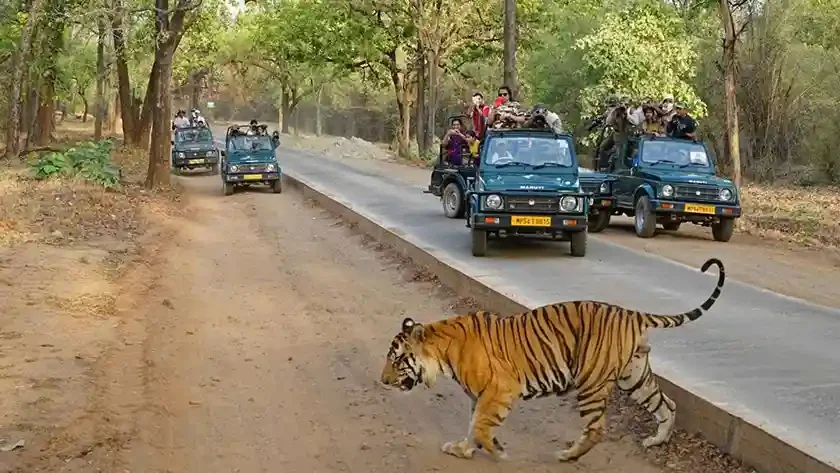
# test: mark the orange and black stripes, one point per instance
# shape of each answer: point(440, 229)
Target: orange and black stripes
point(587, 345)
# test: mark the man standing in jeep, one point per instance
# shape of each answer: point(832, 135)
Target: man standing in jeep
point(683, 125)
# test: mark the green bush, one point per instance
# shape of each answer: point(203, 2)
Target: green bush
point(89, 160)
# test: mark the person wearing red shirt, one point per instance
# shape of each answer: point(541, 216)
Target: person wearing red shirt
point(479, 113)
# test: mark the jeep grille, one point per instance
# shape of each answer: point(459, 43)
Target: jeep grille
point(698, 193)
point(541, 204)
point(251, 167)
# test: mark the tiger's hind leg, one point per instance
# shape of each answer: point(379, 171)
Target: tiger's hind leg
point(592, 405)
point(488, 413)
point(637, 379)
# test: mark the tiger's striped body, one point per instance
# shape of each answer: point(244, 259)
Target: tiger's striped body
point(588, 346)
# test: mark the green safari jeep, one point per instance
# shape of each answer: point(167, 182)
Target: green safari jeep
point(527, 184)
point(669, 181)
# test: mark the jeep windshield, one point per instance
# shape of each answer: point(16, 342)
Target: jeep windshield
point(244, 144)
point(684, 154)
point(193, 136)
point(535, 152)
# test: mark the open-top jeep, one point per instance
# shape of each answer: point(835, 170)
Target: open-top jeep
point(527, 184)
point(451, 180)
point(601, 202)
point(194, 147)
point(670, 181)
point(250, 159)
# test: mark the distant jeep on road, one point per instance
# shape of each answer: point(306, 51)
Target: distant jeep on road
point(669, 181)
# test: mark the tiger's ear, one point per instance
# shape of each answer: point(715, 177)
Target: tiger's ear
point(413, 329)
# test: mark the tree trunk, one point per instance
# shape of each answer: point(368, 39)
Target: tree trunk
point(128, 110)
point(432, 104)
point(730, 99)
point(100, 82)
point(159, 149)
point(114, 113)
point(319, 120)
point(286, 107)
point(85, 114)
point(46, 112)
point(144, 126)
point(19, 67)
point(510, 46)
point(195, 92)
point(420, 103)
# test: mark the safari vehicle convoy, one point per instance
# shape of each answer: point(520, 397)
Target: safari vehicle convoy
point(669, 181)
point(527, 185)
point(249, 159)
point(194, 147)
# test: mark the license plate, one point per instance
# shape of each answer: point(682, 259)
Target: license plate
point(700, 209)
point(196, 161)
point(252, 177)
point(528, 221)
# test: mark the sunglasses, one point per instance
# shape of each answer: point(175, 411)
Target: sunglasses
point(503, 94)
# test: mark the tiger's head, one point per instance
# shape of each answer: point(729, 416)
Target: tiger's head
point(404, 366)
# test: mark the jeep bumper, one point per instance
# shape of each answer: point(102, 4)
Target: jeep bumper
point(195, 162)
point(696, 210)
point(531, 224)
point(255, 177)
point(603, 202)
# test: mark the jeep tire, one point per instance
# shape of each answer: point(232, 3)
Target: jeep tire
point(722, 231)
point(578, 243)
point(644, 220)
point(277, 187)
point(228, 188)
point(598, 223)
point(479, 242)
point(671, 226)
point(452, 201)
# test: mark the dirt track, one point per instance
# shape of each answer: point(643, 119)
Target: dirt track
point(265, 345)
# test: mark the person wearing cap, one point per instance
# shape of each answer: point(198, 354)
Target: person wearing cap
point(181, 121)
point(682, 126)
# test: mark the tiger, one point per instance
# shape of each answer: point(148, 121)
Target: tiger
point(585, 345)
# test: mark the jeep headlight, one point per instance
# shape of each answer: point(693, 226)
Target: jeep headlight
point(725, 194)
point(667, 190)
point(605, 188)
point(181, 155)
point(493, 201)
point(568, 203)
point(269, 168)
point(234, 168)
point(210, 154)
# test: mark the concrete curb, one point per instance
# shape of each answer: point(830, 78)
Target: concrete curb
point(732, 434)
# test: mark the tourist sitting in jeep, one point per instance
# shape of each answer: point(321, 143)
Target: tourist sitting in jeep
point(668, 181)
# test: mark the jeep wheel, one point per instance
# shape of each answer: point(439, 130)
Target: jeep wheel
point(722, 231)
point(228, 187)
point(479, 242)
point(671, 226)
point(598, 222)
point(644, 220)
point(452, 201)
point(277, 186)
point(578, 243)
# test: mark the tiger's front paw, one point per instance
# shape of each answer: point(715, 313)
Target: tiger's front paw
point(460, 449)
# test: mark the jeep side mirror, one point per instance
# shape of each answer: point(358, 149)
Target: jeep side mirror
point(172, 142)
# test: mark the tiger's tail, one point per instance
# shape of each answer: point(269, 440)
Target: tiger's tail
point(668, 321)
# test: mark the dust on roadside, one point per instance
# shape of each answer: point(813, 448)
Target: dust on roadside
point(275, 365)
point(74, 258)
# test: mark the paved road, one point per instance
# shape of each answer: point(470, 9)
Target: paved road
point(770, 359)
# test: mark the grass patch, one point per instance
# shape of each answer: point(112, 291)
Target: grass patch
point(101, 305)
